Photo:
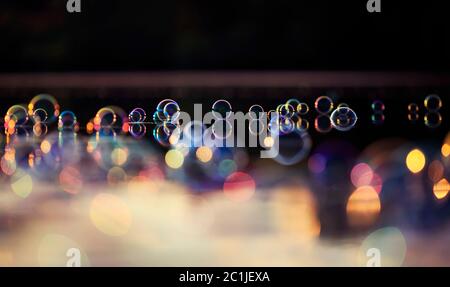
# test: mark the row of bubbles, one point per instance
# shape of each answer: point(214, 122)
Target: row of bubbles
point(432, 105)
point(167, 130)
point(42, 110)
point(378, 108)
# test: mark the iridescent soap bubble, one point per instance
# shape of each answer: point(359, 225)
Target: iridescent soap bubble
point(378, 106)
point(433, 119)
point(323, 105)
point(286, 111)
point(166, 110)
point(137, 130)
point(377, 119)
point(17, 114)
point(221, 109)
point(171, 111)
point(302, 109)
point(46, 103)
point(293, 102)
point(413, 108)
point(433, 103)
point(343, 119)
point(222, 129)
point(323, 124)
point(40, 116)
point(137, 115)
point(413, 117)
point(255, 111)
point(302, 125)
point(287, 126)
point(67, 121)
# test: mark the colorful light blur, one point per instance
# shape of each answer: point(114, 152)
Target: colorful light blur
point(415, 161)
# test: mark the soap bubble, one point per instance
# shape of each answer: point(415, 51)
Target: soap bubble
point(302, 109)
point(378, 106)
point(343, 119)
point(433, 103)
point(323, 105)
point(221, 109)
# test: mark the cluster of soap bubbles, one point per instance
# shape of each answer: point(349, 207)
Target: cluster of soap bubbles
point(108, 121)
point(433, 105)
point(167, 129)
point(42, 110)
point(291, 117)
point(378, 108)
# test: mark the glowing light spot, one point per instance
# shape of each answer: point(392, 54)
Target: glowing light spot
point(441, 189)
point(46, 147)
point(226, 167)
point(119, 156)
point(239, 186)
point(363, 206)
point(361, 175)
point(268, 142)
point(174, 159)
point(70, 180)
point(445, 150)
point(116, 175)
point(415, 161)
point(317, 163)
point(204, 154)
point(90, 127)
point(21, 183)
point(435, 171)
point(8, 165)
point(110, 215)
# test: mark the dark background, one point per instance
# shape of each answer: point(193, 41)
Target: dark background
point(120, 35)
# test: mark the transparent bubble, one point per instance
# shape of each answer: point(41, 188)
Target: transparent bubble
point(171, 111)
point(293, 102)
point(378, 118)
point(433, 103)
point(67, 121)
point(287, 126)
point(105, 117)
point(293, 148)
point(222, 129)
point(433, 119)
point(137, 130)
point(323, 105)
point(40, 129)
point(322, 124)
point(413, 108)
point(18, 114)
point(40, 115)
point(255, 111)
point(46, 103)
point(343, 119)
point(378, 106)
point(302, 125)
point(302, 109)
point(256, 126)
point(137, 115)
point(221, 109)
point(413, 117)
point(286, 111)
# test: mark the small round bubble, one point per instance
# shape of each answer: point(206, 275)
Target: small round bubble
point(343, 119)
point(323, 105)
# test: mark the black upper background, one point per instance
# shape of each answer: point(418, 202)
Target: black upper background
point(122, 35)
